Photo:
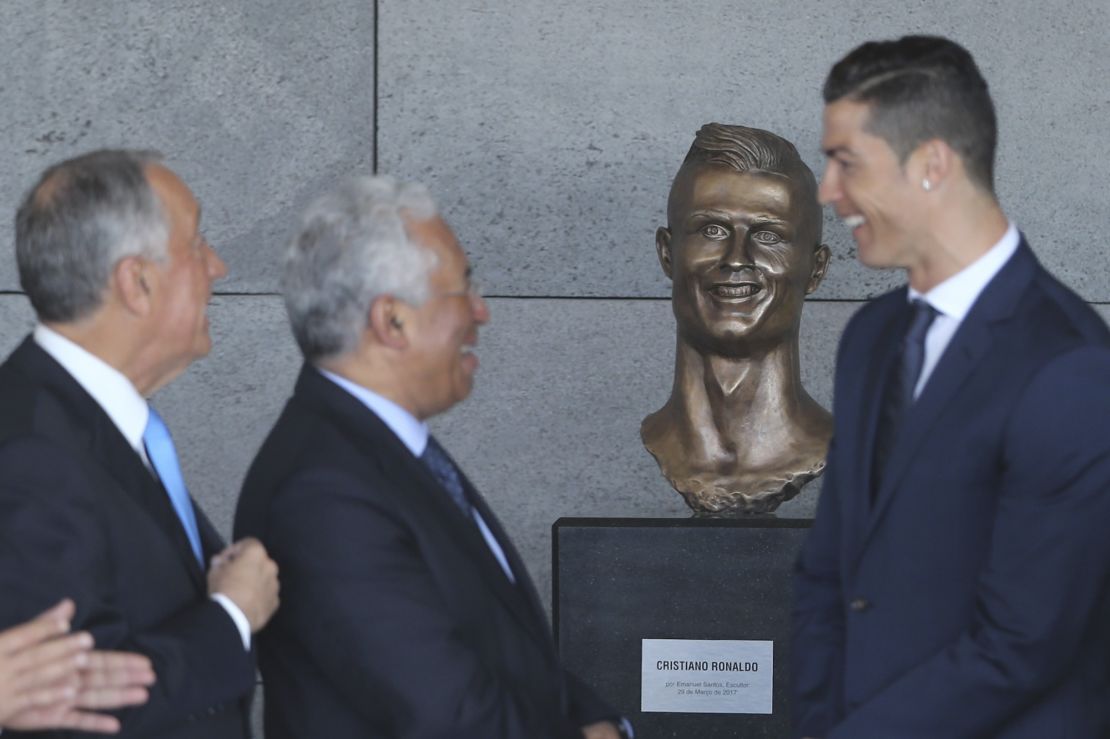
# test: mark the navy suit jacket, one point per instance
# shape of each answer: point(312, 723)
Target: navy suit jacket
point(396, 620)
point(970, 600)
point(82, 517)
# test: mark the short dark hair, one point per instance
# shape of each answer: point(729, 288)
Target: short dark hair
point(755, 150)
point(78, 221)
point(920, 88)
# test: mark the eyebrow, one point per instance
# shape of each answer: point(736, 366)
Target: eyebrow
point(760, 217)
point(834, 150)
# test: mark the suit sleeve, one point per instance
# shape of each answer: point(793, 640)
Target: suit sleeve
point(1039, 595)
point(54, 545)
point(817, 643)
point(360, 599)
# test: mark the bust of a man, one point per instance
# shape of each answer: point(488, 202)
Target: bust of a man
point(742, 248)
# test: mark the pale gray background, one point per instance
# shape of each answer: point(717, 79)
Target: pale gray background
point(549, 132)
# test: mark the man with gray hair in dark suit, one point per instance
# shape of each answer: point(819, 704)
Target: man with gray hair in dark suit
point(407, 611)
point(93, 504)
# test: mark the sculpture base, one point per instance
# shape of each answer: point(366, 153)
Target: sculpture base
point(671, 589)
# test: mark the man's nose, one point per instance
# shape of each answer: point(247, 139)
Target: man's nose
point(479, 309)
point(217, 268)
point(829, 189)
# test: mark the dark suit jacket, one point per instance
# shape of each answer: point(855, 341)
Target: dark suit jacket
point(82, 517)
point(395, 620)
point(971, 599)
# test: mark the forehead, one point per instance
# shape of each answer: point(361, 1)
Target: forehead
point(718, 187)
point(844, 120)
point(176, 197)
point(434, 234)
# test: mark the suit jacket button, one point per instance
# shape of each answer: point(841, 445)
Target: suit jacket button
point(859, 605)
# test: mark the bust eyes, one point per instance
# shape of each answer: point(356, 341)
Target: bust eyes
point(766, 238)
point(717, 232)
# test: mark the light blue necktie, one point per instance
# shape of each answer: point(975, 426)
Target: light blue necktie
point(163, 455)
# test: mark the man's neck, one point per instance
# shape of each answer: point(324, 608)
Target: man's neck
point(956, 239)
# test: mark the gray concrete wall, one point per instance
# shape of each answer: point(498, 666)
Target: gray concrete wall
point(549, 132)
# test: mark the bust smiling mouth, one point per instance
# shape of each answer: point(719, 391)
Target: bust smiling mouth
point(735, 291)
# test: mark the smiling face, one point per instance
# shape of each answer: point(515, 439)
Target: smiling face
point(871, 190)
point(741, 251)
point(443, 331)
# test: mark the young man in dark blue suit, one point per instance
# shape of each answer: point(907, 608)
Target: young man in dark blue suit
point(955, 580)
point(406, 611)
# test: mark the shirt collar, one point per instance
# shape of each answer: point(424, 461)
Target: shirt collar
point(955, 296)
point(111, 390)
point(412, 432)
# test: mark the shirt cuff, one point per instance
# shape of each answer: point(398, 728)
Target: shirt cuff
point(626, 727)
point(241, 622)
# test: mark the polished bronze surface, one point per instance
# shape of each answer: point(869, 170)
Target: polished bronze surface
point(739, 433)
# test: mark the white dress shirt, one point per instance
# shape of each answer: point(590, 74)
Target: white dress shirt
point(413, 433)
point(953, 298)
point(128, 410)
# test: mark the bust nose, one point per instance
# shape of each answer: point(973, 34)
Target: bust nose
point(737, 255)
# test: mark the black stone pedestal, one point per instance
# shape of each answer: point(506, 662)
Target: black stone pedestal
point(618, 581)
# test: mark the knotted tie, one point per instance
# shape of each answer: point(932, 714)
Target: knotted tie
point(443, 469)
point(163, 456)
point(899, 391)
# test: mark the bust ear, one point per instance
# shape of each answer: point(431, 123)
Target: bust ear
point(663, 249)
point(131, 283)
point(821, 258)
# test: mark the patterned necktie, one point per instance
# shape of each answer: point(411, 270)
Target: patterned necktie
point(163, 456)
point(443, 469)
point(899, 392)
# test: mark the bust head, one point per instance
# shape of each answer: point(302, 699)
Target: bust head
point(743, 242)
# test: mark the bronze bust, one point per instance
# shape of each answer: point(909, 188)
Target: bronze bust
point(739, 433)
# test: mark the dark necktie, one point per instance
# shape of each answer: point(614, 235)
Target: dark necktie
point(163, 457)
point(899, 391)
point(444, 470)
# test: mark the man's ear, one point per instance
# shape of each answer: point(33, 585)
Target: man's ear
point(386, 321)
point(932, 163)
point(131, 281)
point(663, 249)
point(821, 258)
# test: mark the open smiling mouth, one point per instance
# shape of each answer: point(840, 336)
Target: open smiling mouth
point(735, 291)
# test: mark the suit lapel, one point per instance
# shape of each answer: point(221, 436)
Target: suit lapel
point(525, 589)
point(864, 407)
point(95, 434)
point(970, 344)
point(433, 505)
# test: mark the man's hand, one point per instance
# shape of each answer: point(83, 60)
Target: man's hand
point(247, 575)
point(47, 678)
point(601, 730)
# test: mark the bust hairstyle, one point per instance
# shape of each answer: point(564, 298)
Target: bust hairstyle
point(755, 150)
point(352, 247)
point(78, 221)
point(921, 88)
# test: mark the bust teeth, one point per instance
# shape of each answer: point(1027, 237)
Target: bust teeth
point(854, 221)
point(737, 291)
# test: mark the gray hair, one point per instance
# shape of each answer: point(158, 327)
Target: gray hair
point(351, 248)
point(78, 221)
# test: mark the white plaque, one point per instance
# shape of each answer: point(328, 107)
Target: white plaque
point(706, 676)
